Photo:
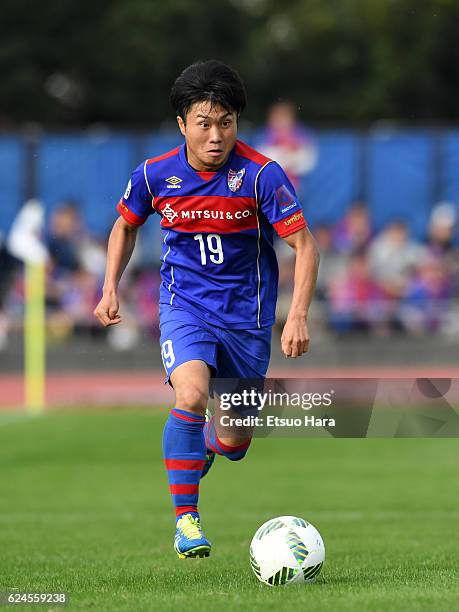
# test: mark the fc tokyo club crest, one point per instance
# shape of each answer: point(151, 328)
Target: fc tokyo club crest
point(235, 178)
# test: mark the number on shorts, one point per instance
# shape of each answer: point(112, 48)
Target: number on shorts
point(168, 353)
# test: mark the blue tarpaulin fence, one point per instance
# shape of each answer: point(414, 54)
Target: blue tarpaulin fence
point(400, 174)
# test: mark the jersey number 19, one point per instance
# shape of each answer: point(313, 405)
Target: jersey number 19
point(214, 246)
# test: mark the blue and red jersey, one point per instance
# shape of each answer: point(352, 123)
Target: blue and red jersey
point(218, 259)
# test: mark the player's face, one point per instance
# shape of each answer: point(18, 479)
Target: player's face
point(210, 134)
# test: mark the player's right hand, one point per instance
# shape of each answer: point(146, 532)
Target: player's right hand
point(107, 310)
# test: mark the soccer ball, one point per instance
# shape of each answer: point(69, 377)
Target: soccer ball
point(286, 550)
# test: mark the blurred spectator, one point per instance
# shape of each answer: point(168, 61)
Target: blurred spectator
point(92, 256)
point(440, 241)
point(288, 142)
point(332, 264)
point(70, 244)
point(353, 232)
point(71, 291)
point(427, 304)
point(8, 267)
point(75, 274)
point(71, 298)
point(79, 296)
point(23, 244)
point(64, 237)
point(144, 296)
point(442, 225)
point(140, 309)
point(355, 298)
point(392, 258)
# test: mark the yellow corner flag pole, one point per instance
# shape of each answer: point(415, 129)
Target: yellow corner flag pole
point(24, 242)
point(34, 337)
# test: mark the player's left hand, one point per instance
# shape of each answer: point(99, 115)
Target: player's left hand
point(295, 338)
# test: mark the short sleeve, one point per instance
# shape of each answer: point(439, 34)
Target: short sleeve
point(278, 201)
point(136, 204)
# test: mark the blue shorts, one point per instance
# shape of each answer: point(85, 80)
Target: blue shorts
point(230, 353)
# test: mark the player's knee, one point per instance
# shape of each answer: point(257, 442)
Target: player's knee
point(192, 398)
point(235, 449)
point(237, 455)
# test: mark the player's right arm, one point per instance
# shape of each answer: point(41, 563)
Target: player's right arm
point(134, 207)
point(120, 247)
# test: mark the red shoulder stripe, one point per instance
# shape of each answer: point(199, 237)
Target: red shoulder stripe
point(243, 150)
point(164, 156)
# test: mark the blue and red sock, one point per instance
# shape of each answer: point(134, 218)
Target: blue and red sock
point(184, 452)
point(234, 453)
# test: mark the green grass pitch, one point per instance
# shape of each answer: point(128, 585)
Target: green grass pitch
point(85, 508)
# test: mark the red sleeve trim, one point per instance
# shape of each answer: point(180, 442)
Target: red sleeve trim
point(290, 224)
point(128, 215)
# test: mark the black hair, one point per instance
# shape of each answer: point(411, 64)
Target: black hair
point(210, 81)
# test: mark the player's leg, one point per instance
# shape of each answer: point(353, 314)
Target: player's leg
point(231, 442)
point(186, 349)
point(184, 451)
point(242, 354)
point(190, 381)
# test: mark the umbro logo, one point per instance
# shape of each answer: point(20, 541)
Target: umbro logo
point(173, 182)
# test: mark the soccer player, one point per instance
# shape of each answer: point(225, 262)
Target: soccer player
point(219, 203)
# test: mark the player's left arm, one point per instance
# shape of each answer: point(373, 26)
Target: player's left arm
point(282, 208)
point(295, 336)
